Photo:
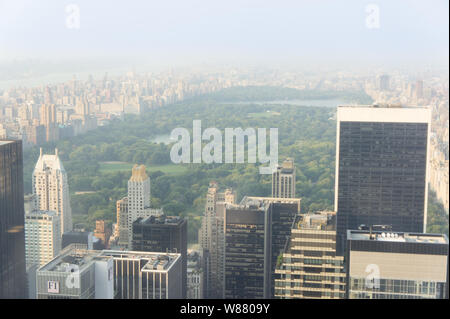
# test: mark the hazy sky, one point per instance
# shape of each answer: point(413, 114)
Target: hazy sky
point(208, 30)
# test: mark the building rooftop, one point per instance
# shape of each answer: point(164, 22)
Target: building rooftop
point(384, 113)
point(255, 201)
point(72, 257)
point(3, 142)
point(150, 260)
point(325, 220)
point(397, 237)
point(384, 105)
point(160, 220)
point(49, 161)
point(247, 204)
point(138, 173)
point(76, 256)
point(38, 214)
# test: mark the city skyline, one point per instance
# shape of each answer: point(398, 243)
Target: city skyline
point(135, 161)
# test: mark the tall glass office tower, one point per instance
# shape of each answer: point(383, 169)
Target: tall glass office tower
point(12, 238)
point(381, 167)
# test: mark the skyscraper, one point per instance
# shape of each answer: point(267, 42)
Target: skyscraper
point(396, 265)
point(162, 234)
point(419, 89)
point(384, 82)
point(195, 276)
point(42, 237)
point(283, 180)
point(146, 275)
point(212, 239)
point(12, 238)
point(309, 267)
point(256, 231)
point(281, 214)
point(135, 205)
point(381, 167)
point(78, 273)
point(122, 221)
point(48, 119)
point(51, 188)
point(246, 257)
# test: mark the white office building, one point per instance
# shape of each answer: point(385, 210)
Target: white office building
point(51, 188)
point(42, 237)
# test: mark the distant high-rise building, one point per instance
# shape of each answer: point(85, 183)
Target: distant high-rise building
point(36, 134)
point(162, 234)
point(309, 267)
point(283, 180)
point(212, 239)
point(12, 238)
point(419, 89)
point(83, 238)
point(396, 265)
point(195, 276)
point(384, 84)
point(78, 273)
point(122, 221)
point(49, 120)
point(135, 205)
point(51, 188)
point(381, 168)
point(146, 275)
point(42, 237)
point(82, 107)
point(102, 232)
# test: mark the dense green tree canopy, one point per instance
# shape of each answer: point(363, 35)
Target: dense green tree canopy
point(305, 133)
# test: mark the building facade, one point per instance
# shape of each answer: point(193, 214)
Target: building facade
point(78, 273)
point(42, 237)
point(381, 167)
point(195, 275)
point(309, 267)
point(396, 265)
point(281, 213)
point(122, 221)
point(135, 205)
point(212, 239)
point(163, 234)
point(51, 188)
point(256, 232)
point(246, 264)
point(12, 237)
point(146, 275)
point(283, 180)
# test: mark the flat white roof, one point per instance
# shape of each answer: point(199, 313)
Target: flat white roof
point(398, 237)
point(393, 114)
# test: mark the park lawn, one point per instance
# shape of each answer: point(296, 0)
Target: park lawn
point(108, 167)
point(263, 114)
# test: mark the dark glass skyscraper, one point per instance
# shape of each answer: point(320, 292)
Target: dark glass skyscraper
point(246, 256)
point(12, 238)
point(381, 168)
point(256, 232)
point(162, 234)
